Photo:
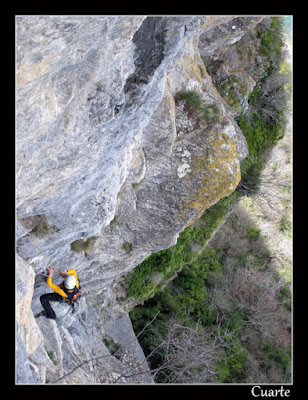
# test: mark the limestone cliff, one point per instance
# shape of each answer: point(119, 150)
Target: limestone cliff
point(110, 167)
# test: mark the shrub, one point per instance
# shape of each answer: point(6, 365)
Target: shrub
point(210, 112)
point(83, 245)
point(272, 42)
point(202, 72)
point(285, 226)
point(51, 355)
point(38, 225)
point(263, 124)
point(42, 230)
point(127, 247)
point(193, 99)
point(115, 220)
point(230, 366)
point(278, 355)
point(111, 345)
point(42, 227)
point(234, 90)
point(253, 233)
point(194, 103)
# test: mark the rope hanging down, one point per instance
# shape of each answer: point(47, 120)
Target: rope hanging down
point(49, 262)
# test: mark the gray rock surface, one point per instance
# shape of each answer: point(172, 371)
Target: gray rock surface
point(110, 168)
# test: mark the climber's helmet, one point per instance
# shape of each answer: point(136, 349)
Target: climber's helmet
point(70, 282)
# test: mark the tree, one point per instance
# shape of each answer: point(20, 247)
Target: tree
point(267, 191)
point(186, 352)
point(271, 101)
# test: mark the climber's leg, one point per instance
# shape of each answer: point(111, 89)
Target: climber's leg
point(45, 299)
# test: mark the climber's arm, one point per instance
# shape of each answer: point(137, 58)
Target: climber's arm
point(54, 287)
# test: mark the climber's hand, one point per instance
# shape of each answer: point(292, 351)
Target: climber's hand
point(63, 271)
point(50, 271)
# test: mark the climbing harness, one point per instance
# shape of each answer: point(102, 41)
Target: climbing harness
point(49, 262)
point(72, 296)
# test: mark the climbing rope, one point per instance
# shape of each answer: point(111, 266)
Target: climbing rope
point(49, 262)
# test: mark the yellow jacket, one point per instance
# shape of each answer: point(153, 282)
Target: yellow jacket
point(57, 288)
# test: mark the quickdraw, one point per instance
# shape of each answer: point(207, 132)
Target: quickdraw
point(76, 297)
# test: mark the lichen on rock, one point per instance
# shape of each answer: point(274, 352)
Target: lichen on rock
point(212, 175)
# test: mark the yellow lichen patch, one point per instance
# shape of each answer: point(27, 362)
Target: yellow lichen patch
point(191, 68)
point(204, 25)
point(214, 175)
point(169, 99)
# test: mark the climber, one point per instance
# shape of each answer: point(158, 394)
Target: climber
point(68, 291)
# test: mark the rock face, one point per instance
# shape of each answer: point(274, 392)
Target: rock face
point(31, 357)
point(110, 167)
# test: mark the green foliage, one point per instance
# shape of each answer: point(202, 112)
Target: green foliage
point(139, 282)
point(83, 245)
point(201, 68)
point(284, 296)
point(115, 220)
point(193, 99)
point(51, 355)
point(187, 297)
point(253, 233)
point(135, 186)
point(230, 367)
point(262, 130)
point(184, 296)
point(259, 135)
point(187, 294)
point(285, 226)
point(111, 345)
point(272, 42)
point(127, 247)
point(42, 228)
point(210, 112)
point(194, 103)
point(234, 90)
point(277, 355)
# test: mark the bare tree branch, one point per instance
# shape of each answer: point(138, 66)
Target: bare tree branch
point(188, 351)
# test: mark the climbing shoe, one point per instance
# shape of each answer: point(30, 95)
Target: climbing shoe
point(42, 314)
